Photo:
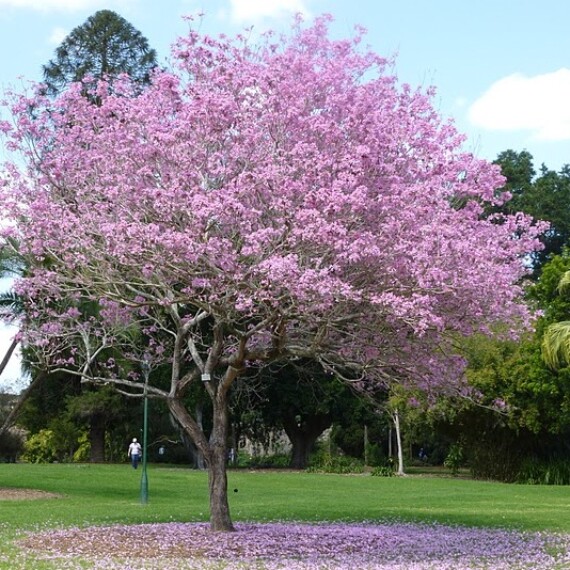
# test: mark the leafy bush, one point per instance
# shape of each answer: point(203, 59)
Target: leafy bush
point(376, 456)
point(40, 448)
point(498, 460)
point(455, 458)
point(537, 472)
point(83, 452)
point(277, 461)
point(383, 471)
point(326, 463)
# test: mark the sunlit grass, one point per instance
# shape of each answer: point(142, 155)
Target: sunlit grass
point(101, 494)
point(108, 494)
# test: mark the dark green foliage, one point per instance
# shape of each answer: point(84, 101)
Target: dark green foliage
point(11, 446)
point(348, 430)
point(383, 471)
point(534, 471)
point(299, 398)
point(97, 410)
point(493, 449)
point(495, 454)
point(11, 440)
point(375, 454)
point(47, 401)
point(277, 461)
point(104, 47)
point(324, 462)
point(455, 458)
point(304, 400)
point(544, 197)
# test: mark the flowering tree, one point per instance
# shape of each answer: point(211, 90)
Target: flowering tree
point(282, 201)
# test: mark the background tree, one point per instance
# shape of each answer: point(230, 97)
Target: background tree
point(104, 47)
point(11, 441)
point(518, 412)
point(556, 341)
point(544, 197)
point(11, 307)
point(301, 399)
point(260, 205)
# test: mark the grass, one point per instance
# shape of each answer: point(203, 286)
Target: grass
point(106, 494)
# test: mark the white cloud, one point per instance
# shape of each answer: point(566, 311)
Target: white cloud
point(57, 5)
point(248, 11)
point(539, 104)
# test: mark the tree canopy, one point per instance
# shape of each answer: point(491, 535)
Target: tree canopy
point(283, 202)
point(544, 196)
point(104, 47)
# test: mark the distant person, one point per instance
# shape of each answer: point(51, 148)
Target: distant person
point(422, 455)
point(135, 451)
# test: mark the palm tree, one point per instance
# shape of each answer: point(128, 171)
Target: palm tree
point(556, 340)
point(11, 307)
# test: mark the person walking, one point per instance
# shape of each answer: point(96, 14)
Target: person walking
point(135, 451)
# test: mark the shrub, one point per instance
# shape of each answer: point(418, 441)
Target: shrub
point(376, 456)
point(277, 461)
point(455, 458)
point(40, 448)
point(83, 452)
point(383, 471)
point(326, 463)
point(546, 472)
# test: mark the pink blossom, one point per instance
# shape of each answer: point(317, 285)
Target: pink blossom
point(287, 201)
point(323, 546)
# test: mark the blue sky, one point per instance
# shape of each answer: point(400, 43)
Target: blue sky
point(501, 67)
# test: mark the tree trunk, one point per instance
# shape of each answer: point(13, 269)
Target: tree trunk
point(220, 519)
point(214, 452)
point(303, 436)
point(366, 446)
point(9, 421)
point(396, 419)
point(300, 452)
point(97, 439)
point(8, 355)
point(199, 456)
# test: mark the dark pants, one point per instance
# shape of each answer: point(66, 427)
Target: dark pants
point(135, 460)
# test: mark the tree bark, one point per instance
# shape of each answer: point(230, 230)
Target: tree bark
point(396, 419)
point(199, 456)
point(220, 519)
point(8, 355)
point(21, 401)
point(303, 436)
point(97, 438)
point(214, 452)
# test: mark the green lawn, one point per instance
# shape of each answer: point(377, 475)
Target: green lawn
point(103, 494)
point(106, 494)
